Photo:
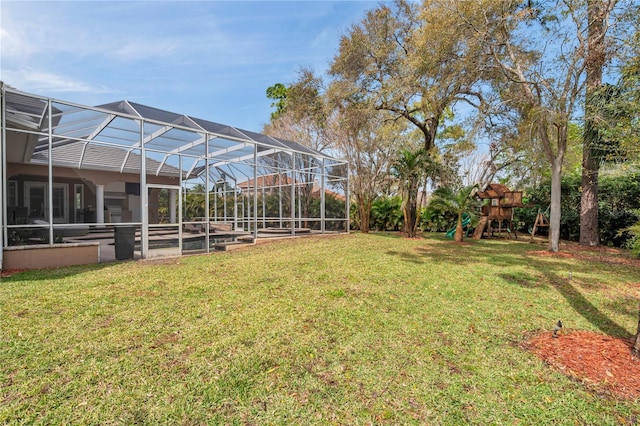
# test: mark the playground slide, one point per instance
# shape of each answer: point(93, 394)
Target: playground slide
point(466, 221)
point(480, 228)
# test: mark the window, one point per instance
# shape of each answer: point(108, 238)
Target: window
point(78, 202)
point(79, 191)
point(12, 194)
point(36, 199)
point(59, 202)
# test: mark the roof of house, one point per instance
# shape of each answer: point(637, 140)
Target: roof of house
point(276, 180)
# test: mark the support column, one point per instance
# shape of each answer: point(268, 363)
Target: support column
point(172, 205)
point(144, 196)
point(215, 202)
point(224, 198)
point(3, 174)
point(347, 201)
point(264, 208)
point(293, 193)
point(322, 197)
point(235, 206)
point(255, 192)
point(280, 197)
point(100, 204)
point(207, 192)
point(299, 204)
point(50, 172)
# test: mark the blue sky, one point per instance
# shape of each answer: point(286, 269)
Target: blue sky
point(209, 59)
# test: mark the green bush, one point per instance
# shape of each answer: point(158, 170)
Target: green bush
point(633, 236)
point(618, 198)
point(354, 217)
point(386, 214)
point(433, 219)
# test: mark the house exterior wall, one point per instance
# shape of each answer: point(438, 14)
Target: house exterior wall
point(21, 173)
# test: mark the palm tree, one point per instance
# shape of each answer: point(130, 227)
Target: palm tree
point(194, 202)
point(461, 202)
point(409, 169)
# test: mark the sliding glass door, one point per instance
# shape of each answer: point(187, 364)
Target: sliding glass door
point(36, 200)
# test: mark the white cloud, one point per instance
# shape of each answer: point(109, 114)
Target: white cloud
point(31, 80)
point(199, 33)
point(27, 33)
point(135, 50)
point(166, 51)
point(62, 28)
point(14, 43)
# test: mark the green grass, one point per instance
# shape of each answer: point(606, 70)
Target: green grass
point(358, 329)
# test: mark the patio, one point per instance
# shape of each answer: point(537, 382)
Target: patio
point(72, 172)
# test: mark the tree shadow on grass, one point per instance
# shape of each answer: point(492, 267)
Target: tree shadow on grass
point(496, 256)
point(407, 257)
point(464, 254)
point(585, 308)
point(522, 279)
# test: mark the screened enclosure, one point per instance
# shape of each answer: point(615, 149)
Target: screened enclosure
point(169, 183)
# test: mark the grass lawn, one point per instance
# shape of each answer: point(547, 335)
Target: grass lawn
point(357, 329)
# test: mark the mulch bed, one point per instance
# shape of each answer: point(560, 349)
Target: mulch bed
point(610, 255)
point(603, 363)
point(8, 272)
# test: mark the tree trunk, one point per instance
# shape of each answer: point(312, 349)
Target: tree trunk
point(407, 221)
point(413, 208)
point(411, 219)
point(406, 217)
point(589, 232)
point(459, 231)
point(635, 350)
point(364, 220)
point(423, 194)
point(429, 129)
point(596, 14)
point(364, 210)
point(410, 212)
point(555, 213)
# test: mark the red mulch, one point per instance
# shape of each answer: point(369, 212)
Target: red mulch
point(603, 363)
point(8, 272)
point(610, 255)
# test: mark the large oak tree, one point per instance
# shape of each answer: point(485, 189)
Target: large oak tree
point(412, 61)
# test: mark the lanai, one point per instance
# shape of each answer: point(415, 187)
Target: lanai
point(70, 172)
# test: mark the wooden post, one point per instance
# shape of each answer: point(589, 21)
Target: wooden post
point(535, 226)
point(541, 221)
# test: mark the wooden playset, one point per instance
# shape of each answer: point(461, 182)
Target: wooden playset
point(499, 210)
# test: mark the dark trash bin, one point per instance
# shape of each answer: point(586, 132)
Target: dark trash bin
point(124, 239)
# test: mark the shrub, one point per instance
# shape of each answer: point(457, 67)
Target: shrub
point(632, 234)
point(618, 198)
point(434, 219)
point(386, 214)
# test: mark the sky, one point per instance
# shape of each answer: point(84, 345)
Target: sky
point(209, 59)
